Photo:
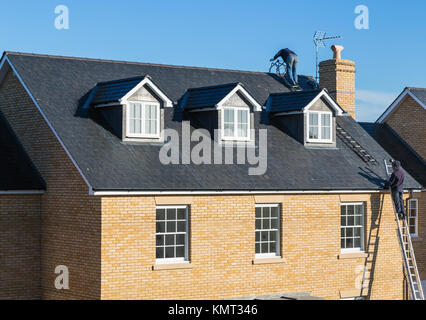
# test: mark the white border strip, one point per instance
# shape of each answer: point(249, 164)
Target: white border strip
point(11, 192)
point(47, 121)
point(154, 193)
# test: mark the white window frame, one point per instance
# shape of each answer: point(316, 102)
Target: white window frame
point(362, 247)
point(235, 136)
point(320, 126)
point(277, 254)
point(185, 259)
point(143, 135)
point(409, 207)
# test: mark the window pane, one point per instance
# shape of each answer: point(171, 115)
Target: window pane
point(257, 236)
point(266, 212)
point(161, 214)
point(170, 252)
point(160, 240)
point(274, 211)
point(326, 133)
point(266, 224)
point(326, 120)
point(170, 239)
point(313, 119)
point(160, 253)
point(257, 248)
point(313, 132)
point(161, 227)
point(180, 239)
point(181, 214)
point(229, 115)
point(274, 223)
point(181, 226)
point(229, 122)
point(171, 214)
point(180, 252)
point(258, 224)
point(242, 123)
point(171, 226)
point(264, 248)
point(258, 212)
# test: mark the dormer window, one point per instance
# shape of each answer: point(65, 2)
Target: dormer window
point(319, 126)
point(143, 120)
point(133, 108)
point(227, 108)
point(236, 123)
point(307, 116)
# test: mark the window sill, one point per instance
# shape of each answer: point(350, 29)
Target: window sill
point(172, 266)
point(258, 261)
point(416, 238)
point(352, 255)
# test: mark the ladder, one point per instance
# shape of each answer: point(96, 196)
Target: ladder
point(407, 249)
point(355, 146)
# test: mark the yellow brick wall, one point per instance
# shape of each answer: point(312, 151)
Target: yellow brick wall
point(222, 249)
point(409, 121)
point(70, 217)
point(20, 247)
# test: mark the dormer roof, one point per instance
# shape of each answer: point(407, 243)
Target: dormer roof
point(215, 96)
point(118, 91)
point(299, 101)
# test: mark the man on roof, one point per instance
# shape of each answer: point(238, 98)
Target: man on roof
point(396, 183)
point(291, 60)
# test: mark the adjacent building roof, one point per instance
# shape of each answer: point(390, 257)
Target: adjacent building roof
point(398, 149)
point(418, 94)
point(61, 85)
point(16, 170)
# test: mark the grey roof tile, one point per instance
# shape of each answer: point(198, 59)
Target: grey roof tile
point(61, 87)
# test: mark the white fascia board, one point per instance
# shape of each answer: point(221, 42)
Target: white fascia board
point(159, 193)
point(324, 94)
point(147, 81)
point(47, 121)
point(395, 104)
point(17, 192)
point(239, 87)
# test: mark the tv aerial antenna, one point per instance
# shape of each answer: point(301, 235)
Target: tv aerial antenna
point(319, 38)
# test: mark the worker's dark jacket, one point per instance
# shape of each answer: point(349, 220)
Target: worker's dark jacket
point(284, 53)
point(396, 181)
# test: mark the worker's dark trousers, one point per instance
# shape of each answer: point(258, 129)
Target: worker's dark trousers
point(399, 201)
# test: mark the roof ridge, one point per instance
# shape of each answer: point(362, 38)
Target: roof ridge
point(131, 62)
point(415, 88)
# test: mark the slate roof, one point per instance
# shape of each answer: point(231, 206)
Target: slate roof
point(291, 101)
point(61, 86)
point(113, 91)
point(16, 170)
point(398, 149)
point(420, 93)
point(207, 96)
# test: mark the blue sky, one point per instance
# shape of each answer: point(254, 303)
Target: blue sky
point(233, 34)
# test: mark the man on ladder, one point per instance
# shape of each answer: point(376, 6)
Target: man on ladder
point(396, 183)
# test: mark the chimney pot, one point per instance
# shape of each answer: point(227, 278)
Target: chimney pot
point(337, 50)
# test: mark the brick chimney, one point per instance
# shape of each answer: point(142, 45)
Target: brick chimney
point(338, 77)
